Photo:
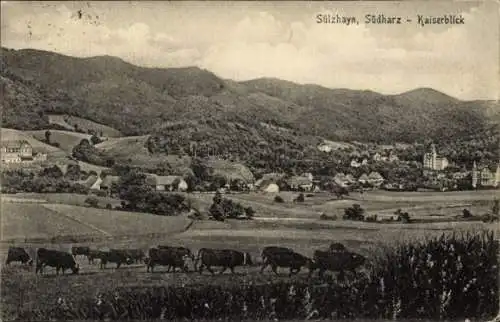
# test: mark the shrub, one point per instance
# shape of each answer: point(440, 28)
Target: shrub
point(92, 202)
point(354, 213)
point(278, 199)
point(324, 216)
point(223, 208)
point(108, 206)
point(300, 198)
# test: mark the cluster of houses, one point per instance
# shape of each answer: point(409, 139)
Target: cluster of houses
point(158, 183)
point(19, 152)
point(273, 182)
point(386, 156)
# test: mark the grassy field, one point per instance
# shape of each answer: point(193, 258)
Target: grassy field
point(133, 151)
point(55, 216)
point(67, 140)
point(69, 122)
point(32, 221)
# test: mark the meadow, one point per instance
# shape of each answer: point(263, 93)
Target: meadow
point(60, 221)
point(69, 122)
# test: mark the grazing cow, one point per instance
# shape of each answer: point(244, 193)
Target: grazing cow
point(93, 254)
point(80, 250)
point(270, 251)
point(336, 262)
point(166, 257)
point(179, 250)
point(54, 258)
point(137, 255)
point(18, 254)
point(226, 258)
point(118, 256)
point(183, 251)
point(293, 260)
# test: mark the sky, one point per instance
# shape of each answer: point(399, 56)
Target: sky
point(247, 40)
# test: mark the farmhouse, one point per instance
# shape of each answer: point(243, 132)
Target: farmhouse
point(271, 188)
point(341, 180)
point(325, 148)
point(303, 183)
point(363, 179)
point(93, 182)
point(355, 163)
point(167, 183)
point(268, 178)
point(19, 151)
point(375, 179)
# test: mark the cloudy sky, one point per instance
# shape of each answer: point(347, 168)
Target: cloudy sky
point(245, 40)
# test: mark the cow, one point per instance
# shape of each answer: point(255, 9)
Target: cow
point(54, 258)
point(118, 256)
point(180, 250)
point(18, 254)
point(292, 260)
point(80, 250)
point(270, 251)
point(137, 255)
point(166, 257)
point(336, 262)
point(93, 254)
point(225, 258)
point(183, 251)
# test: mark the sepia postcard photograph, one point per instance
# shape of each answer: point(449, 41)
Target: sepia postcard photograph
point(250, 161)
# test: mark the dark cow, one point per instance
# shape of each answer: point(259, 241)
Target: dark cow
point(293, 260)
point(93, 254)
point(166, 257)
point(270, 251)
point(118, 256)
point(180, 250)
point(137, 255)
point(80, 250)
point(225, 258)
point(54, 258)
point(336, 262)
point(18, 254)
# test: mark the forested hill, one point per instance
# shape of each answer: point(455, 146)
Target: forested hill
point(137, 100)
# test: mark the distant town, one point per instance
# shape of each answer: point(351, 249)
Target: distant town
point(356, 169)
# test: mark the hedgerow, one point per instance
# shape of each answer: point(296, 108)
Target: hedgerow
point(450, 277)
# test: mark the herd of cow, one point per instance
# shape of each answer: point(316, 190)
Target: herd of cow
point(336, 259)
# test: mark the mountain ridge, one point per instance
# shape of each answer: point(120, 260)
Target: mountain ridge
point(141, 100)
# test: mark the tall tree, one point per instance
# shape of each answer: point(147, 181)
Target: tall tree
point(133, 189)
point(47, 136)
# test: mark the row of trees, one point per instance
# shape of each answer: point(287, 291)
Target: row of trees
point(47, 180)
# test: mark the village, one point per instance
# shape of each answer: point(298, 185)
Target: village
point(356, 171)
